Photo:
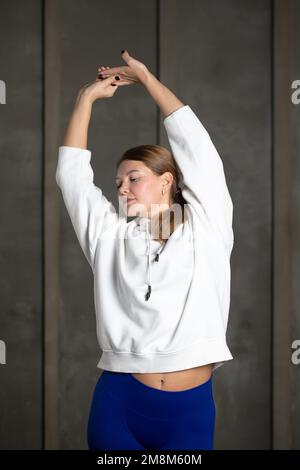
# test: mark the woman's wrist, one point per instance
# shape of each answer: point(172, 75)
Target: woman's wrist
point(147, 78)
point(84, 98)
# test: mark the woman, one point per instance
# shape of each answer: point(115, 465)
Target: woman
point(160, 338)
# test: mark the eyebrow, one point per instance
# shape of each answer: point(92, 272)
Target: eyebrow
point(128, 172)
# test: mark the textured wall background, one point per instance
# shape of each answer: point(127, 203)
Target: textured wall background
point(295, 234)
point(21, 267)
point(217, 57)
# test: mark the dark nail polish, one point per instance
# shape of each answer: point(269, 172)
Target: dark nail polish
point(122, 52)
point(113, 84)
point(117, 78)
point(99, 75)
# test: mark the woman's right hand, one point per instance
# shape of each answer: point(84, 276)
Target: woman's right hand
point(134, 72)
point(99, 89)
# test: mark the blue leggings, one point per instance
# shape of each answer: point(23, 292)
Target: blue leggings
point(127, 414)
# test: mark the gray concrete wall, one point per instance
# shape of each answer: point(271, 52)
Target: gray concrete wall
point(21, 256)
point(285, 314)
point(295, 232)
point(217, 57)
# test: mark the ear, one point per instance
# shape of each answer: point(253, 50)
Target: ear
point(167, 178)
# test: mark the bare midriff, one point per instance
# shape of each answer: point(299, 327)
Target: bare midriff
point(178, 380)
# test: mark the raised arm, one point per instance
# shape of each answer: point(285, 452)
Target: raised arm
point(163, 96)
point(77, 131)
point(202, 170)
point(89, 210)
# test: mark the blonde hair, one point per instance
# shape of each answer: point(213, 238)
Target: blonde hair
point(159, 160)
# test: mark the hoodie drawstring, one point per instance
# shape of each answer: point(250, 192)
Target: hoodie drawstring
point(144, 225)
point(148, 293)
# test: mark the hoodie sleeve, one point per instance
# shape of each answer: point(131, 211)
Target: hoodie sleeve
point(203, 180)
point(89, 210)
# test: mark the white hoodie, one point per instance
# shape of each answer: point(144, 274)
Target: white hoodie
point(183, 323)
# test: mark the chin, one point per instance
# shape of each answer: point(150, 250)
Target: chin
point(135, 209)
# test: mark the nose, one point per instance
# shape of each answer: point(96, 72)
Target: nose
point(123, 191)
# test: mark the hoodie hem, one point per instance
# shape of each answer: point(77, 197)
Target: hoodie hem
point(206, 351)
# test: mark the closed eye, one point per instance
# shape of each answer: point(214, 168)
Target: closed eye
point(131, 180)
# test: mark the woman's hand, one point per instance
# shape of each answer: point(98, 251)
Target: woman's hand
point(134, 72)
point(99, 89)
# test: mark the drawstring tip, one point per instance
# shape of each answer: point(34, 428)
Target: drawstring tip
point(148, 293)
point(156, 257)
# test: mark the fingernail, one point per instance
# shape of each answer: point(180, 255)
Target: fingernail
point(122, 52)
point(117, 78)
point(113, 84)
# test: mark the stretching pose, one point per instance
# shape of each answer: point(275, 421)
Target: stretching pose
point(162, 290)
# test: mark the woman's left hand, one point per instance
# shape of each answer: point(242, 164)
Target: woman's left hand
point(134, 72)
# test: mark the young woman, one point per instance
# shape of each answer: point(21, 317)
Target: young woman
point(162, 301)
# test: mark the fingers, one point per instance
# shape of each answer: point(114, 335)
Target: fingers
point(109, 72)
point(110, 81)
point(125, 56)
point(103, 69)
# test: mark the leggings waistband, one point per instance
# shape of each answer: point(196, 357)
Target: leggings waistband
point(153, 402)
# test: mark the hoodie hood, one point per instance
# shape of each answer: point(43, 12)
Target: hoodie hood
point(143, 224)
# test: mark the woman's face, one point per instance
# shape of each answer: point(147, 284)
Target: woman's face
point(139, 188)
